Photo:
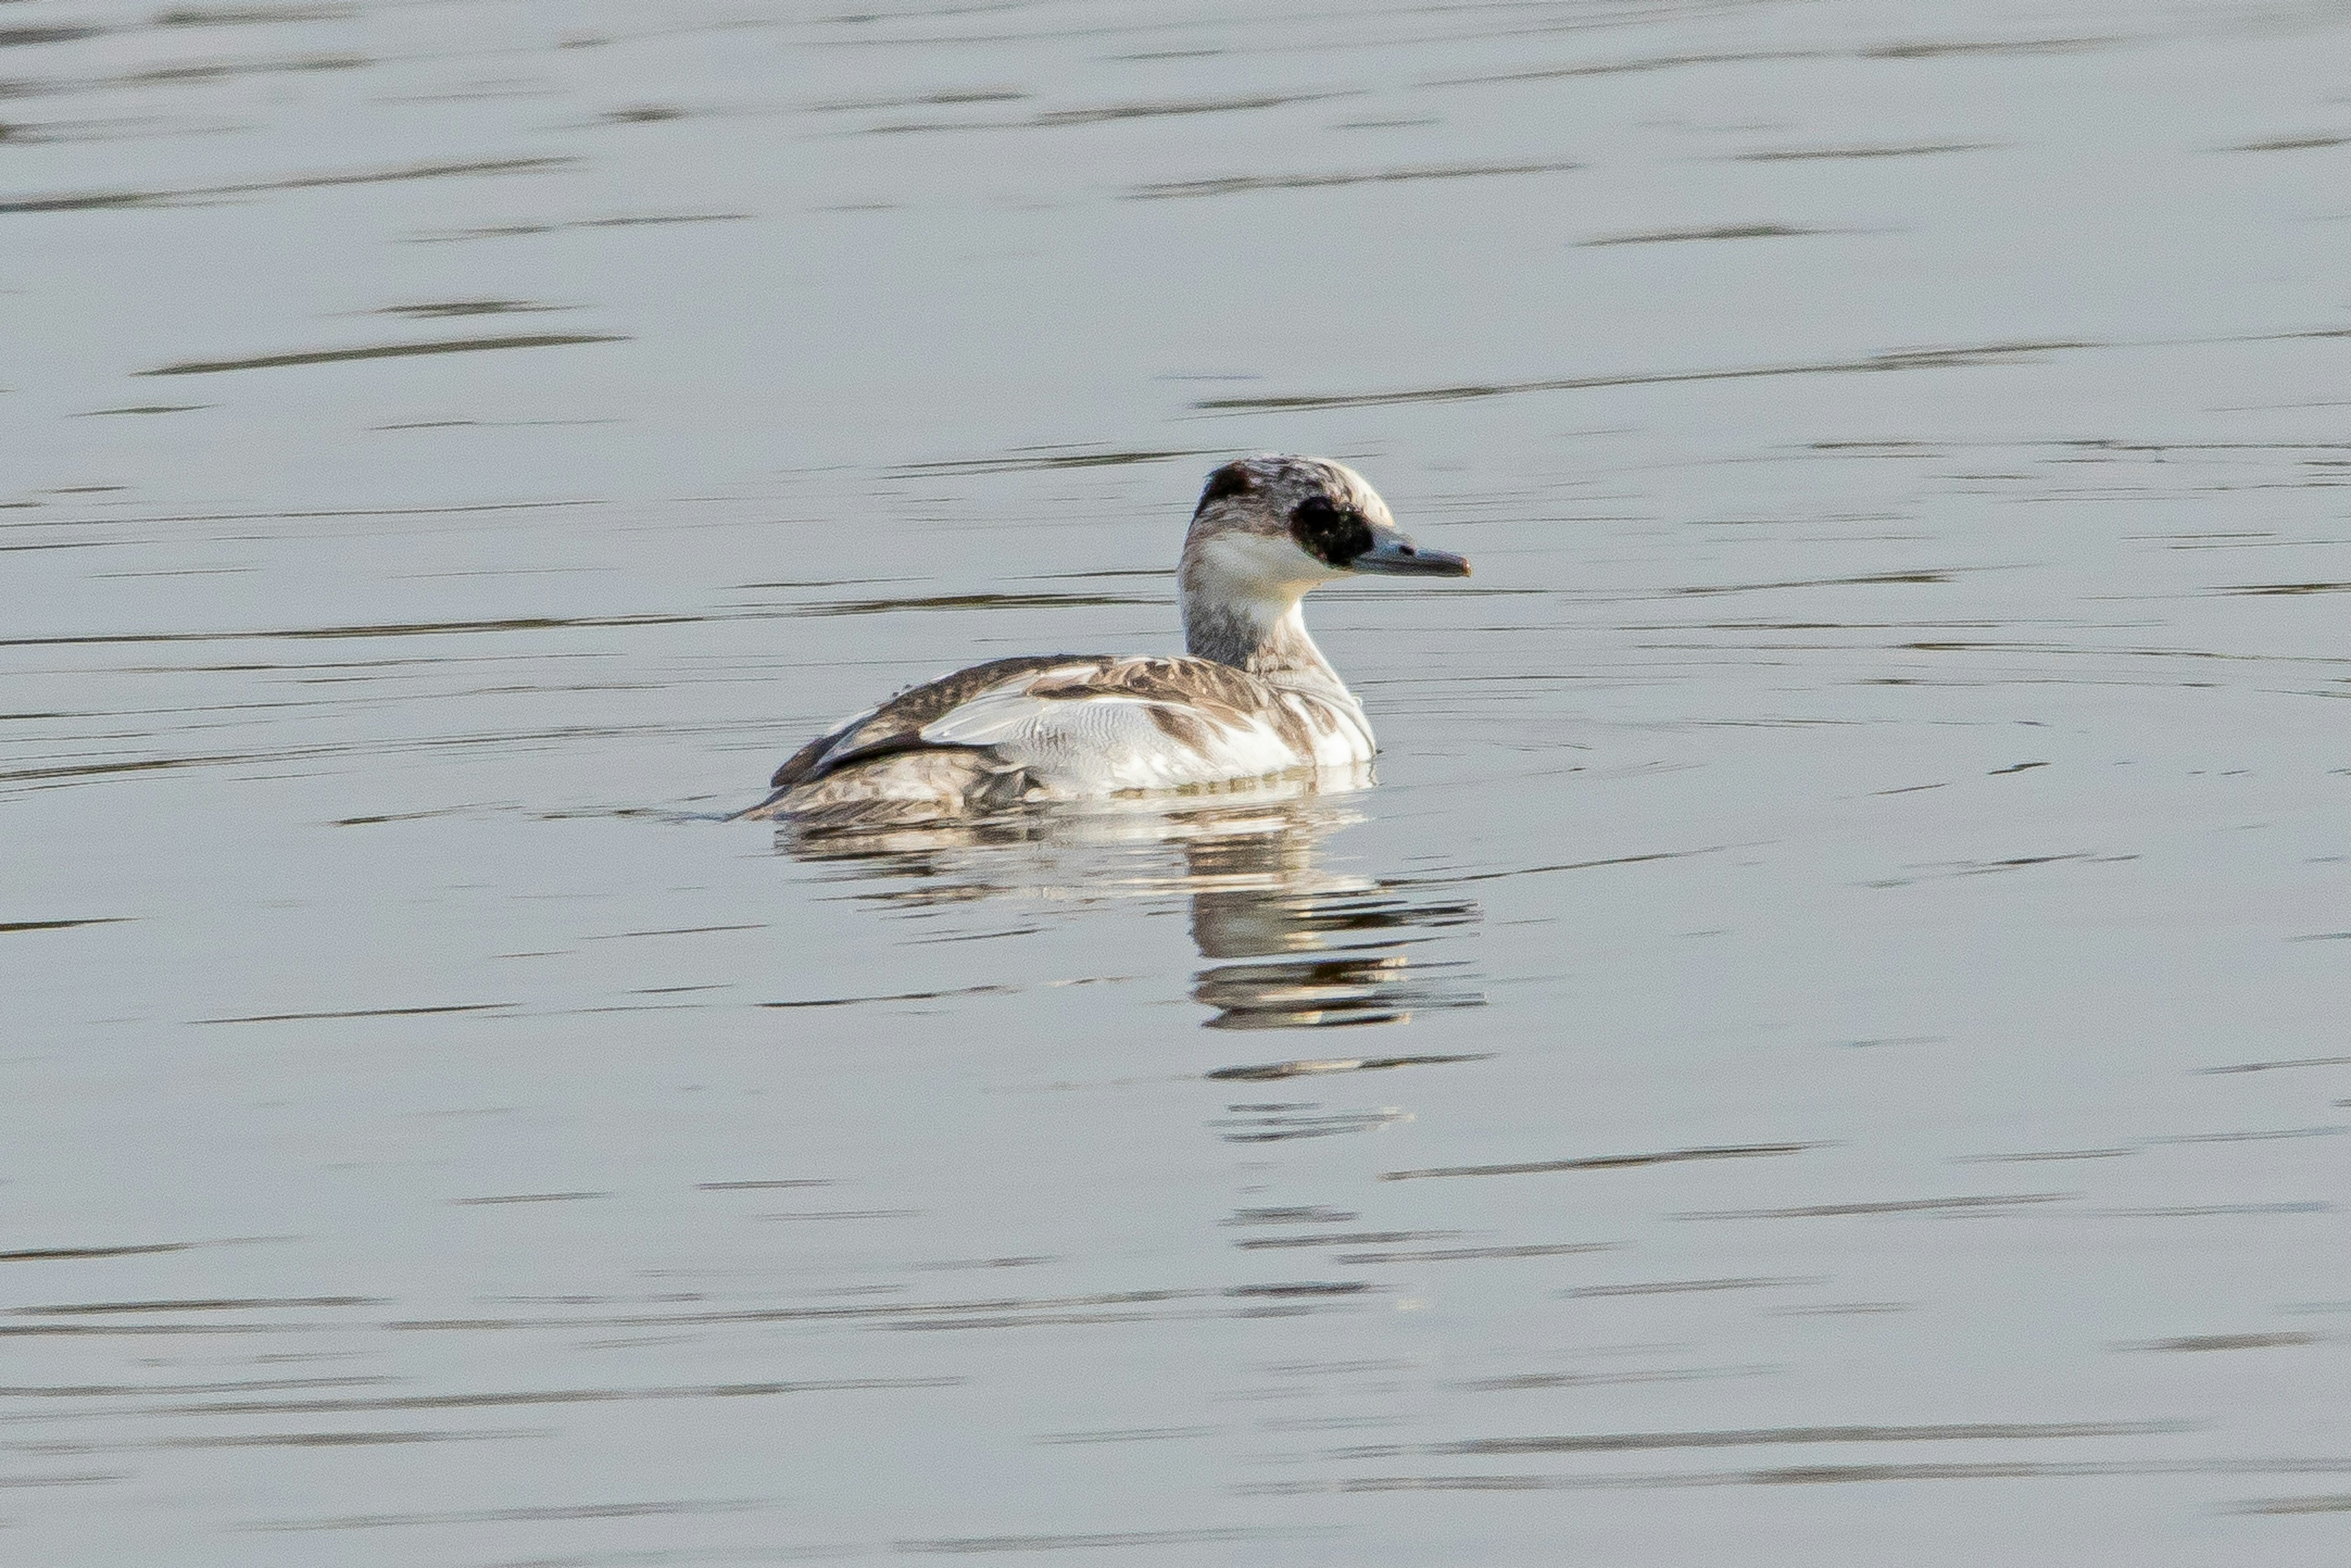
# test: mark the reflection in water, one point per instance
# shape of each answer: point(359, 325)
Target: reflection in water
point(1289, 945)
point(1313, 948)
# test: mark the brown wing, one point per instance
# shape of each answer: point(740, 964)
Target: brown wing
point(898, 723)
point(1184, 680)
point(1183, 694)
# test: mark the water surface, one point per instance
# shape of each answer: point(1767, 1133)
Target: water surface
point(1821, 1044)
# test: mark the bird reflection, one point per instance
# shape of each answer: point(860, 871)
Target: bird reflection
point(1294, 947)
point(1288, 944)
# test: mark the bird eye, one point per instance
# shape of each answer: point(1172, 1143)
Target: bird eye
point(1332, 534)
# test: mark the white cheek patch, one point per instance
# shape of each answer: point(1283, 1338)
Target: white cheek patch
point(1265, 564)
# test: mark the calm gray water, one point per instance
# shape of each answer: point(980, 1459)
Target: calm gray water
point(1843, 964)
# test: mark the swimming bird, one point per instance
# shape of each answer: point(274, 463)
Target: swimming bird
point(1253, 695)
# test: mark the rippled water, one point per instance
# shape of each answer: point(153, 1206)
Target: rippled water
point(1822, 1045)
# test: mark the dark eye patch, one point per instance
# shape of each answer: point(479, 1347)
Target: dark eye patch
point(1332, 534)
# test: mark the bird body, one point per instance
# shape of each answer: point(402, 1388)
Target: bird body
point(1253, 696)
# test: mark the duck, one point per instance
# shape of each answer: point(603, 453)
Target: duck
point(1251, 698)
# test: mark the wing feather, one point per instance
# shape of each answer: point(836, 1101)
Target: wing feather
point(1143, 723)
point(1076, 722)
point(897, 724)
point(806, 762)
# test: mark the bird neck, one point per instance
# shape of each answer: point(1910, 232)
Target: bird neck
point(1265, 635)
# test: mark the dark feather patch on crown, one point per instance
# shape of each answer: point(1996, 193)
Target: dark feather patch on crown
point(1232, 479)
